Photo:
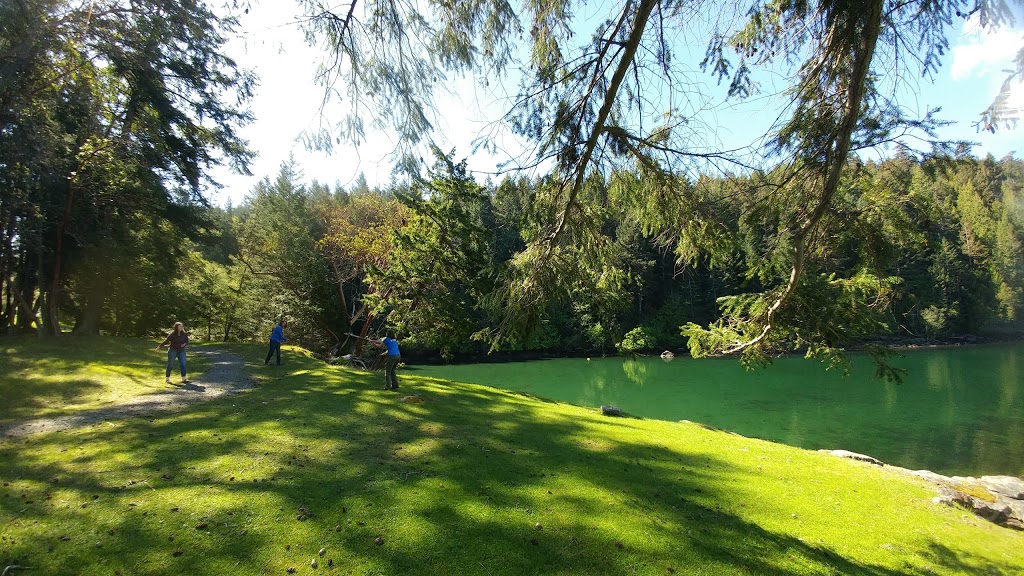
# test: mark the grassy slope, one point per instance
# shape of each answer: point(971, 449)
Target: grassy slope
point(57, 376)
point(457, 485)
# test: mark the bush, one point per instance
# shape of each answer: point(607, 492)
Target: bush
point(637, 339)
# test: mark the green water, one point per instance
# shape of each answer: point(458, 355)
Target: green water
point(958, 411)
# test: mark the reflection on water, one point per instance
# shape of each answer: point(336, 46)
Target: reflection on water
point(959, 411)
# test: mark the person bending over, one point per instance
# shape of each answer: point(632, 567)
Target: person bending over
point(276, 337)
point(394, 358)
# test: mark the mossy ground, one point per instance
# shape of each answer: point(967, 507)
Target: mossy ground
point(471, 481)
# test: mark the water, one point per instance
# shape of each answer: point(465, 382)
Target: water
point(959, 410)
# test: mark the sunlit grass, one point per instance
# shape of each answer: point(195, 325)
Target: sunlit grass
point(471, 481)
point(47, 377)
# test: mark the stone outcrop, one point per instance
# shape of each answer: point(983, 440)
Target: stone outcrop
point(855, 456)
point(998, 499)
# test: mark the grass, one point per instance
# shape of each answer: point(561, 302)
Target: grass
point(59, 376)
point(471, 481)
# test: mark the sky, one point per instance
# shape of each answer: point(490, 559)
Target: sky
point(288, 103)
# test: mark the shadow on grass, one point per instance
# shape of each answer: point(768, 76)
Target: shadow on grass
point(473, 481)
point(67, 376)
point(23, 396)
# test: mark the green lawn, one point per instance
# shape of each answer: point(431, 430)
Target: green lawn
point(58, 376)
point(471, 481)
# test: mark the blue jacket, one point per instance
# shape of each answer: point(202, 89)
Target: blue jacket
point(278, 334)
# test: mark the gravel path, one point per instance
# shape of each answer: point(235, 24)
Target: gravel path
point(225, 376)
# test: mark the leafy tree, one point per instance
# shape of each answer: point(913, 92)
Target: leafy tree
point(112, 112)
point(439, 268)
point(359, 238)
point(588, 110)
point(278, 232)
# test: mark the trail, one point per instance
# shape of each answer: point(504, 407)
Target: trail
point(225, 376)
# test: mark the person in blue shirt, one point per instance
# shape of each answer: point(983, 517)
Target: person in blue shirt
point(276, 337)
point(394, 358)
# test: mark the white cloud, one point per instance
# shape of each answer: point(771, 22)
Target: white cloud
point(983, 52)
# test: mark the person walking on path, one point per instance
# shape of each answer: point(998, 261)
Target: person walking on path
point(276, 337)
point(176, 342)
point(394, 358)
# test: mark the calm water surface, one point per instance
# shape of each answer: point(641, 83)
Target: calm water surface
point(958, 411)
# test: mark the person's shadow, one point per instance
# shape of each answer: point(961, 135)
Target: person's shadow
point(193, 386)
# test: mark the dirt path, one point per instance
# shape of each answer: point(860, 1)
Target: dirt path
point(225, 376)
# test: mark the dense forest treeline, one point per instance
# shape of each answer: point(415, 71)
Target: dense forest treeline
point(936, 242)
point(113, 115)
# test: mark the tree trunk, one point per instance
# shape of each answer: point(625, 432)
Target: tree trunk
point(362, 334)
point(51, 324)
point(88, 321)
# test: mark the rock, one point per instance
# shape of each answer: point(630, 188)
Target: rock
point(1016, 519)
point(932, 476)
point(990, 497)
point(1005, 485)
point(992, 511)
point(322, 551)
point(666, 355)
point(314, 563)
point(950, 496)
point(856, 456)
point(609, 410)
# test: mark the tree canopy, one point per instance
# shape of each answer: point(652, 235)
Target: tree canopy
point(624, 99)
point(636, 229)
point(110, 114)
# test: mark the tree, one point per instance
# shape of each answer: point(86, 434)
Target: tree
point(439, 269)
point(112, 112)
point(588, 109)
point(358, 238)
point(278, 231)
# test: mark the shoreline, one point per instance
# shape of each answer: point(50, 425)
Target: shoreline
point(528, 356)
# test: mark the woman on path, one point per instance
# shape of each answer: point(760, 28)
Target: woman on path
point(394, 358)
point(176, 342)
point(276, 337)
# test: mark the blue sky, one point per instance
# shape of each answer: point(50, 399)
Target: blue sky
point(288, 103)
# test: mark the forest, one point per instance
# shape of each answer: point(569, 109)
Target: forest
point(937, 242)
point(112, 116)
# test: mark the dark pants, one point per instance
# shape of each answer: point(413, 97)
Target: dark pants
point(390, 380)
point(275, 348)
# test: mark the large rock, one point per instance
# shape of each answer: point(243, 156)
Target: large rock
point(609, 410)
point(856, 456)
point(932, 477)
point(998, 512)
point(1016, 519)
point(997, 499)
point(951, 496)
point(1008, 486)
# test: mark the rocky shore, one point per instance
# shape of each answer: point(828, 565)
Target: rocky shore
point(998, 499)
